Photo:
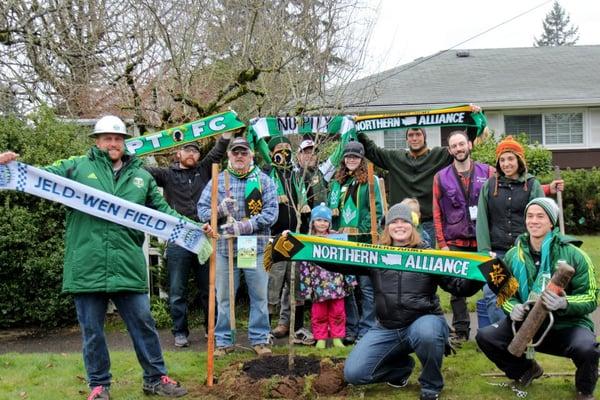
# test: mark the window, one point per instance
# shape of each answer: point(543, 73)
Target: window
point(548, 128)
point(394, 139)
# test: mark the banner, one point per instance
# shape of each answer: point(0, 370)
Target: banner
point(186, 133)
point(25, 178)
point(461, 116)
point(341, 254)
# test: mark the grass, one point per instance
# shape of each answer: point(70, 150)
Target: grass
point(61, 375)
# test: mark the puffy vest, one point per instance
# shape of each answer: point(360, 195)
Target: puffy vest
point(506, 211)
point(456, 220)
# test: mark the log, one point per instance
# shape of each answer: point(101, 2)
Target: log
point(538, 313)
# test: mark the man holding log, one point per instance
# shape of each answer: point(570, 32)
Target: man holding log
point(532, 261)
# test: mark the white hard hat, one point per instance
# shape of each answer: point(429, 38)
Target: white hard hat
point(110, 124)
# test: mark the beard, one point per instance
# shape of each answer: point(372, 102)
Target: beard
point(460, 157)
point(188, 162)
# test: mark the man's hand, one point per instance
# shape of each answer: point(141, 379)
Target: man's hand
point(209, 231)
point(475, 108)
point(237, 228)
point(445, 248)
point(7, 157)
point(227, 207)
point(553, 301)
point(557, 186)
point(519, 312)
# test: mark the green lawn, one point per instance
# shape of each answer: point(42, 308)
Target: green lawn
point(61, 376)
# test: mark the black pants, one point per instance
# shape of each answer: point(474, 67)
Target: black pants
point(578, 344)
point(461, 322)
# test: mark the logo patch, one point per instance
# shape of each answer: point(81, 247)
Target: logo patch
point(92, 176)
point(138, 182)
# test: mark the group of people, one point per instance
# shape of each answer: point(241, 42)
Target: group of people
point(440, 198)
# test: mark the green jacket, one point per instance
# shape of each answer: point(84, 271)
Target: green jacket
point(101, 256)
point(409, 176)
point(582, 291)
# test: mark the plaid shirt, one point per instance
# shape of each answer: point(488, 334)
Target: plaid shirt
point(261, 223)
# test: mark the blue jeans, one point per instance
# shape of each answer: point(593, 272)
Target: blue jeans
point(357, 324)
point(257, 280)
point(179, 264)
point(383, 355)
point(428, 227)
point(134, 308)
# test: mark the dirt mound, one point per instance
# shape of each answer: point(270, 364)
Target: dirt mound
point(268, 378)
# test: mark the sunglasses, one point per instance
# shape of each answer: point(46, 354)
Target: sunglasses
point(237, 152)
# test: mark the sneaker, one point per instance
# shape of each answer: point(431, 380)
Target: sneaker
point(581, 396)
point(321, 344)
point(429, 396)
point(398, 384)
point(166, 387)
point(181, 340)
point(534, 372)
point(303, 336)
point(99, 393)
point(337, 342)
point(223, 351)
point(263, 350)
point(281, 331)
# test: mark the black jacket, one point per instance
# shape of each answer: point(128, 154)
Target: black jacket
point(401, 297)
point(183, 187)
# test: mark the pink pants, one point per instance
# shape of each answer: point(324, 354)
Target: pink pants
point(328, 317)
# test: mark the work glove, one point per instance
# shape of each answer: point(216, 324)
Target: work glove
point(237, 228)
point(553, 301)
point(519, 312)
point(227, 207)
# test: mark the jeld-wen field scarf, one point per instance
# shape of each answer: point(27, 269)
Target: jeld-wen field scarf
point(186, 133)
point(25, 178)
point(324, 251)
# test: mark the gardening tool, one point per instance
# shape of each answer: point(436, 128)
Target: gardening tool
point(211, 279)
point(230, 256)
point(559, 201)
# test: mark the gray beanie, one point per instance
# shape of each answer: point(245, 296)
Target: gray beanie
point(354, 148)
point(399, 211)
point(548, 205)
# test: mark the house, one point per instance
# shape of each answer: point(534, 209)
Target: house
point(550, 93)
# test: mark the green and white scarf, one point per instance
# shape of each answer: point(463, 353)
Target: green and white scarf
point(346, 199)
point(252, 191)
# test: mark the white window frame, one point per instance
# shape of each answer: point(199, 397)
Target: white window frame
point(543, 112)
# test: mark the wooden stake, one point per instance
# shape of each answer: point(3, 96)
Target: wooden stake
point(384, 204)
point(230, 256)
point(211, 278)
point(372, 208)
point(559, 201)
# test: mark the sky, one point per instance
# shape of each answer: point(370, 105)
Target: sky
point(408, 29)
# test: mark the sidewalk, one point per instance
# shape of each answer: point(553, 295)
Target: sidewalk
point(68, 340)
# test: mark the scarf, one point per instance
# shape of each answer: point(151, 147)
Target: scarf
point(252, 191)
point(183, 232)
point(346, 199)
point(186, 133)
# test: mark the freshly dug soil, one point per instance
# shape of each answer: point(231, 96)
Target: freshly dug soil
point(268, 378)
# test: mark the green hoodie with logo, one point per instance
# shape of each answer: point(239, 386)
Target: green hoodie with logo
point(101, 256)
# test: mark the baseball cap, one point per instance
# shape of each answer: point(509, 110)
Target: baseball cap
point(305, 144)
point(239, 142)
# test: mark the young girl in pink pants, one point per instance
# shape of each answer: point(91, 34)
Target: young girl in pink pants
point(326, 289)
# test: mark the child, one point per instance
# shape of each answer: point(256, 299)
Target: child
point(414, 206)
point(326, 289)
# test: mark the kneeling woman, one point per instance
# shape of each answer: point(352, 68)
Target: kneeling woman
point(410, 319)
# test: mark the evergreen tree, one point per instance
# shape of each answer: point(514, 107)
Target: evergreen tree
point(557, 31)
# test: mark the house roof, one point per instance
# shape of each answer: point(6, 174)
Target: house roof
point(492, 78)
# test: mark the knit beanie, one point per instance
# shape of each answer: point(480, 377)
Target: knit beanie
point(510, 144)
point(274, 141)
point(320, 212)
point(548, 205)
point(403, 212)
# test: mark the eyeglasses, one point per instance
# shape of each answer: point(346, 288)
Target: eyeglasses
point(243, 153)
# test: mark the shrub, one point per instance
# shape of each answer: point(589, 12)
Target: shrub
point(539, 159)
point(32, 229)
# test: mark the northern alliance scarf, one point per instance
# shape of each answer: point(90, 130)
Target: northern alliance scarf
point(252, 191)
point(186, 133)
point(183, 232)
point(340, 253)
point(345, 198)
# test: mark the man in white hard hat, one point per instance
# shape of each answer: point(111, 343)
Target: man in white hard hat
point(104, 261)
